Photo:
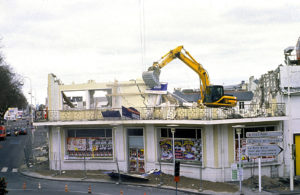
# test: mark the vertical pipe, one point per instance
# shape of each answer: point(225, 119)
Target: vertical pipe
point(259, 174)
point(173, 145)
point(222, 154)
point(85, 174)
point(240, 162)
point(59, 149)
point(201, 188)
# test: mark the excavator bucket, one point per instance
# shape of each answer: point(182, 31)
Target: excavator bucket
point(151, 78)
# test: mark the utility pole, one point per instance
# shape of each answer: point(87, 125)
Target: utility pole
point(287, 53)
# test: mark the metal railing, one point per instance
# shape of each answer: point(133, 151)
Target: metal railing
point(165, 113)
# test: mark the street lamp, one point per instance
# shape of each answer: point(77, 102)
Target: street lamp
point(238, 129)
point(173, 147)
point(31, 117)
point(173, 141)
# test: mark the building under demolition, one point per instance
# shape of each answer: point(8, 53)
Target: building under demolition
point(97, 126)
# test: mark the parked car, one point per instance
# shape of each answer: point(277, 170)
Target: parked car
point(16, 131)
point(23, 131)
point(8, 132)
point(2, 132)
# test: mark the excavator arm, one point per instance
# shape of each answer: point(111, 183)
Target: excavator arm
point(208, 92)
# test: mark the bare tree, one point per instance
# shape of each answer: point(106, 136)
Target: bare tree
point(11, 94)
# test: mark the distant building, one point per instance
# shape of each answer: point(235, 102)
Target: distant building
point(282, 86)
point(13, 114)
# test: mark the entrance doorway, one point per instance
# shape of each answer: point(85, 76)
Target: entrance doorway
point(136, 150)
point(297, 154)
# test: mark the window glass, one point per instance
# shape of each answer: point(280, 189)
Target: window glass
point(185, 133)
point(71, 133)
point(90, 133)
point(187, 143)
point(135, 132)
point(89, 144)
point(164, 132)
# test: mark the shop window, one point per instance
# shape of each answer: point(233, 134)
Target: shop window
point(135, 132)
point(243, 143)
point(241, 105)
point(187, 143)
point(89, 144)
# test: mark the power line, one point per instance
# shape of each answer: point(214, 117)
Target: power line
point(142, 33)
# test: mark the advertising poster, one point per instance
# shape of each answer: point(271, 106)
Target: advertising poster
point(166, 149)
point(76, 144)
point(96, 147)
point(189, 150)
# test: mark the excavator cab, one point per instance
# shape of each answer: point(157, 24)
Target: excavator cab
point(214, 97)
point(213, 93)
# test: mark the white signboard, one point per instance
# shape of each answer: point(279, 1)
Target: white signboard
point(266, 150)
point(264, 134)
point(263, 140)
point(236, 173)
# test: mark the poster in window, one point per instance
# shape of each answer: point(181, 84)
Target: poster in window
point(89, 147)
point(76, 144)
point(166, 149)
point(178, 149)
point(189, 150)
point(185, 149)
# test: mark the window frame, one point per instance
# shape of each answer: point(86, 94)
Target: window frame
point(169, 138)
point(107, 149)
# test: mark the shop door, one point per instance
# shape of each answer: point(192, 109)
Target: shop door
point(136, 150)
point(297, 153)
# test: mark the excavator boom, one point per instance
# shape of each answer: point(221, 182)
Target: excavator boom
point(211, 95)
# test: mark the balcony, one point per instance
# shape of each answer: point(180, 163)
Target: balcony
point(162, 113)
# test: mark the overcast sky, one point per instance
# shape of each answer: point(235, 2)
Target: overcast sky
point(99, 40)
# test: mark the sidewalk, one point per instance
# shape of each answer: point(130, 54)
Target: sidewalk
point(208, 187)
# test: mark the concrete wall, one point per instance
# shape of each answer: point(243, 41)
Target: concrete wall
point(127, 93)
point(151, 149)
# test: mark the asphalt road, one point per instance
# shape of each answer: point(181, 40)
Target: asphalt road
point(12, 157)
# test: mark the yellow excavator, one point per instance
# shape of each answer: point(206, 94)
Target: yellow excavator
point(211, 95)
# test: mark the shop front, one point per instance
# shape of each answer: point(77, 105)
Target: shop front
point(136, 150)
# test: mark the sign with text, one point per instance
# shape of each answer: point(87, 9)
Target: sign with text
point(264, 134)
point(263, 140)
point(266, 150)
point(236, 173)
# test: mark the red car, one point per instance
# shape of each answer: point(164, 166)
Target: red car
point(2, 132)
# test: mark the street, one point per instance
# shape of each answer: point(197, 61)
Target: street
point(12, 152)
